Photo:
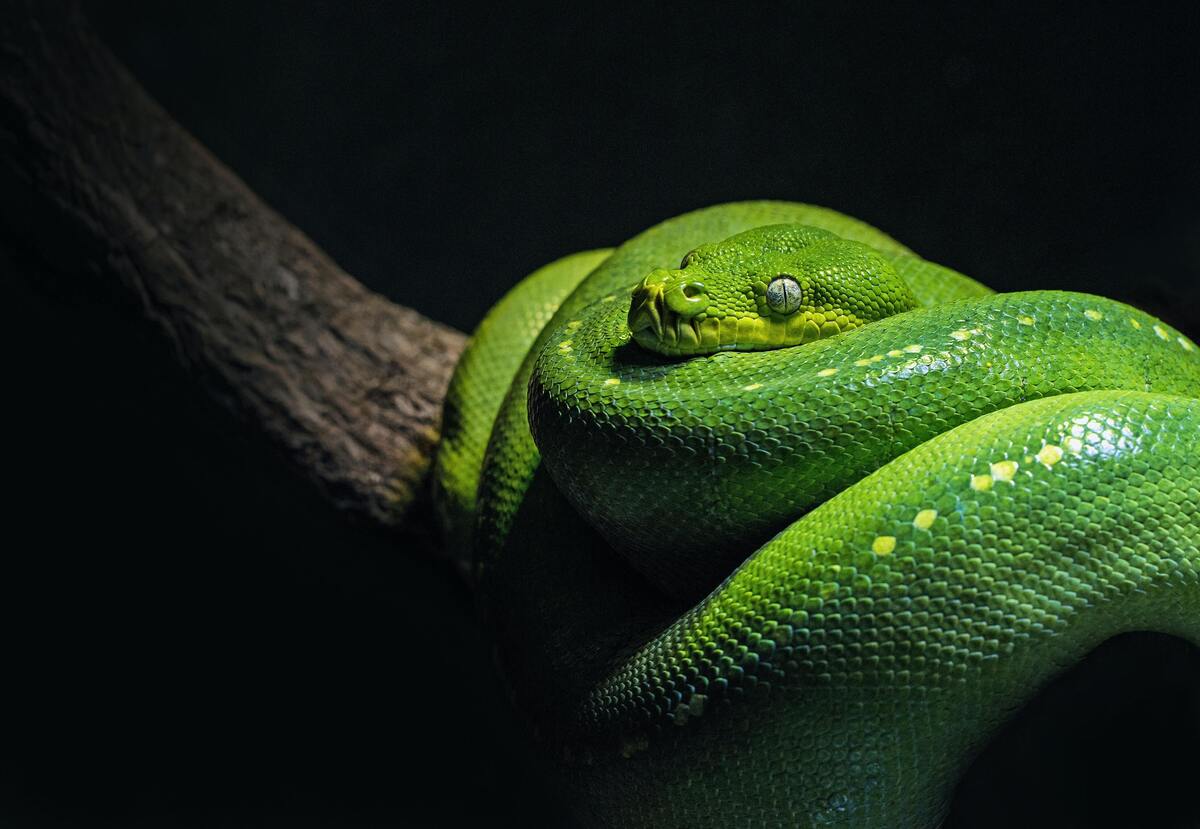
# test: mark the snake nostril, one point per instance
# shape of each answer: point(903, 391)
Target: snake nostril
point(687, 299)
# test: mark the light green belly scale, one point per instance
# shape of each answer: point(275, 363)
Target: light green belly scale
point(839, 567)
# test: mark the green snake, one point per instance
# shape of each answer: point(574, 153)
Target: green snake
point(777, 522)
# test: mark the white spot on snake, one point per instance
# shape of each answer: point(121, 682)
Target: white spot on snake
point(924, 519)
point(1050, 455)
point(1004, 470)
point(1161, 332)
point(1093, 314)
point(884, 545)
point(827, 372)
point(752, 387)
point(1073, 445)
point(913, 349)
point(1187, 345)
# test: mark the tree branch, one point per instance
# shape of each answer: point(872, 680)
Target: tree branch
point(99, 181)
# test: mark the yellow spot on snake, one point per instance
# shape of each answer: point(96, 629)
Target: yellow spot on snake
point(573, 325)
point(1134, 323)
point(884, 545)
point(868, 360)
point(827, 372)
point(612, 381)
point(565, 345)
point(924, 519)
point(895, 352)
point(981, 483)
point(1050, 454)
point(608, 298)
point(913, 349)
point(1025, 319)
point(1187, 346)
point(862, 362)
point(1161, 332)
point(752, 387)
point(961, 334)
point(1004, 470)
point(1093, 314)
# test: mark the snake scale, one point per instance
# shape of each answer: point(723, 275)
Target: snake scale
point(776, 522)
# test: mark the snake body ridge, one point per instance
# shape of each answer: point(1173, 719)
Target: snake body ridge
point(812, 579)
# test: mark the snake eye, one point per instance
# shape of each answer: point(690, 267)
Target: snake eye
point(687, 259)
point(693, 289)
point(783, 294)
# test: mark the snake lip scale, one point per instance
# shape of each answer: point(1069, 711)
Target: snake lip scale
point(781, 535)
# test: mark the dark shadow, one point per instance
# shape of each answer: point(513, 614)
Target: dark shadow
point(564, 607)
point(632, 355)
point(1113, 742)
point(193, 638)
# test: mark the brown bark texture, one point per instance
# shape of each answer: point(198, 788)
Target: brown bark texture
point(99, 183)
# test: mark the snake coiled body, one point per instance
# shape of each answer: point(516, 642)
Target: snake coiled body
point(802, 586)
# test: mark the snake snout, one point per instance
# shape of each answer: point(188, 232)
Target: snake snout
point(661, 296)
point(649, 304)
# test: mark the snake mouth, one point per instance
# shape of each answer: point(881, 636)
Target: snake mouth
point(672, 335)
point(659, 329)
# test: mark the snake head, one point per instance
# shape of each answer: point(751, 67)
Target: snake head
point(770, 287)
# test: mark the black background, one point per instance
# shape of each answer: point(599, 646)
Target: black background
point(194, 639)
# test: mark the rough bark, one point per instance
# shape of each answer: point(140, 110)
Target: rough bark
point(100, 183)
